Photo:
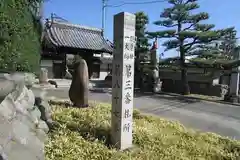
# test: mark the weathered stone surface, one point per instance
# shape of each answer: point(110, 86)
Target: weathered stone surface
point(5, 130)
point(45, 111)
point(16, 151)
point(29, 79)
point(123, 81)
point(35, 113)
point(7, 109)
point(43, 77)
point(28, 98)
point(78, 92)
point(24, 136)
point(22, 133)
point(39, 92)
point(3, 156)
point(6, 87)
point(28, 120)
point(41, 135)
point(43, 126)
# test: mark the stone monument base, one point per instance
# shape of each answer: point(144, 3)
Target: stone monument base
point(232, 98)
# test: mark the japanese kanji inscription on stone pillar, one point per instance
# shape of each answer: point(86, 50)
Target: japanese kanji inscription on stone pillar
point(122, 80)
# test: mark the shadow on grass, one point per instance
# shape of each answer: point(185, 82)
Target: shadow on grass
point(93, 134)
point(100, 133)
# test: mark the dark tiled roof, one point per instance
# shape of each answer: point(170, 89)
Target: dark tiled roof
point(62, 34)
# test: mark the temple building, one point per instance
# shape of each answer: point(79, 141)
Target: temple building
point(62, 39)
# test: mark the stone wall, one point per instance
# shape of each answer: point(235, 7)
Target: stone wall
point(173, 86)
point(22, 130)
point(192, 77)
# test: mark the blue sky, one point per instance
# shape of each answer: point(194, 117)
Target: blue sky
point(88, 12)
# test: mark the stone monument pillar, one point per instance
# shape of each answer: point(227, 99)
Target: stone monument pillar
point(123, 80)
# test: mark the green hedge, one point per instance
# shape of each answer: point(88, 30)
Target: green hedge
point(19, 37)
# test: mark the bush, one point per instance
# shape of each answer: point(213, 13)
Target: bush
point(85, 133)
point(20, 34)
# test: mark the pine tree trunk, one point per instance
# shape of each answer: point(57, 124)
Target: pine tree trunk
point(186, 89)
point(185, 86)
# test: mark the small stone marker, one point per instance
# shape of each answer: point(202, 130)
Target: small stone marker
point(123, 80)
point(43, 77)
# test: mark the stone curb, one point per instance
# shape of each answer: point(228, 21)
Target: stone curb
point(100, 89)
point(202, 99)
point(93, 89)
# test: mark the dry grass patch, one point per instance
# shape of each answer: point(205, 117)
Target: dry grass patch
point(83, 134)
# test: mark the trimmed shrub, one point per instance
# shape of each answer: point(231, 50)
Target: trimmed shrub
point(20, 36)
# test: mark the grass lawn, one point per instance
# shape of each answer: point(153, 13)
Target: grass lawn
point(83, 134)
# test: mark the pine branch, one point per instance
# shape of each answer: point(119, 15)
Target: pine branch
point(166, 13)
point(190, 1)
point(171, 44)
point(189, 34)
point(166, 23)
point(162, 34)
point(174, 2)
point(191, 6)
point(204, 27)
point(197, 18)
point(189, 45)
point(188, 28)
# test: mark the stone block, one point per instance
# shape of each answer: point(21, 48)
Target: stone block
point(28, 97)
point(20, 108)
point(41, 135)
point(5, 131)
point(43, 126)
point(33, 125)
point(27, 120)
point(23, 135)
point(35, 113)
point(7, 108)
point(17, 92)
point(16, 151)
point(29, 79)
point(22, 132)
point(3, 156)
point(40, 93)
point(6, 87)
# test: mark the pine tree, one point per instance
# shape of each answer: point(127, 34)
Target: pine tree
point(142, 44)
point(185, 31)
point(229, 43)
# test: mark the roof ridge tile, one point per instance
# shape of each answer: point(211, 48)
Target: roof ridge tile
point(77, 26)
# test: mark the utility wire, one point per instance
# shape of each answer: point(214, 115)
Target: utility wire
point(131, 3)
